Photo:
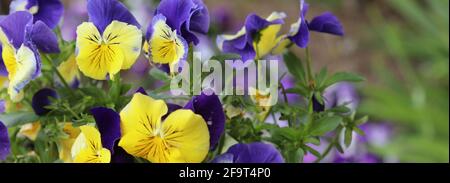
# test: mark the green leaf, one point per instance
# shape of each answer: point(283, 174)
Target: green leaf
point(19, 118)
point(359, 131)
point(340, 109)
point(348, 137)
point(313, 140)
point(362, 120)
point(339, 148)
point(340, 77)
point(159, 74)
point(296, 156)
point(321, 77)
point(312, 151)
point(295, 66)
point(325, 125)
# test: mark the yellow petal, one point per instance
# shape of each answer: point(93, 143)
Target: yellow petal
point(65, 145)
point(165, 45)
point(30, 130)
point(188, 133)
point(69, 69)
point(87, 148)
point(183, 138)
point(269, 38)
point(127, 37)
point(95, 58)
point(143, 111)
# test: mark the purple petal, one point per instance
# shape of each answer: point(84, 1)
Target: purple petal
point(103, 12)
point(5, 146)
point(301, 37)
point(257, 152)
point(44, 38)
point(14, 27)
point(108, 124)
point(176, 11)
point(198, 22)
point(42, 99)
point(327, 23)
point(121, 156)
point(3, 71)
point(243, 45)
point(210, 108)
point(224, 158)
point(171, 108)
point(141, 91)
point(50, 12)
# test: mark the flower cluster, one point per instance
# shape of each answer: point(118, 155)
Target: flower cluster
point(89, 114)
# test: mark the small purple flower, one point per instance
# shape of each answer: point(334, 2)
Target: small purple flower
point(186, 16)
point(257, 152)
point(210, 108)
point(42, 99)
point(325, 23)
point(47, 11)
point(5, 145)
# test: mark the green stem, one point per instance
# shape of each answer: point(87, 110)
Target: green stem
point(309, 66)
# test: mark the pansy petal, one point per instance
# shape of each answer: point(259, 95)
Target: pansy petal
point(187, 133)
point(299, 33)
point(224, 158)
point(42, 99)
point(257, 152)
point(44, 38)
point(2, 106)
point(121, 156)
point(141, 91)
point(22, 68)
point(268, 37)
point(327, 23)
point(88, 147)
point(94, 58)
point(210, 108)
point(3, 71)
point(69, 71)
point(127, 37)
point(103, 12)
point(176, 11)
point(198, 22)
point(14, 26)
point(166, 47)
point(5, 146)
point(142, 110)
point(108, 123)
point(49, 12)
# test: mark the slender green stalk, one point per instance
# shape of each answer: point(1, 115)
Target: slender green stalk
point(55, 69)
point(330, 146)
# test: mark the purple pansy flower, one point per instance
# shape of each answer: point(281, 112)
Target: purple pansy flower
point(21, 39)
point(5, 145)
point(257, 152)
point(243, 42)
point(186, 16)
point(210, 108)
point(325, 23)
point(42, 99)
point(47, 11)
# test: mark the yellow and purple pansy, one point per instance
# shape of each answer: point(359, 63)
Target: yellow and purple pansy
point(256, 39)
point(111, 41)
point(21, 39)
point(174, 27)
point(156, 131)
point(256, 152)
point(47, 11)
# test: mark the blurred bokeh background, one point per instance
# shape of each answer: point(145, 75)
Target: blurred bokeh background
point(400, 46)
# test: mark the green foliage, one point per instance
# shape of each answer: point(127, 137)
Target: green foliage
point(418, 49)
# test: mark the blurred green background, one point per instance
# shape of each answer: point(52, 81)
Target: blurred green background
point(401, 46)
